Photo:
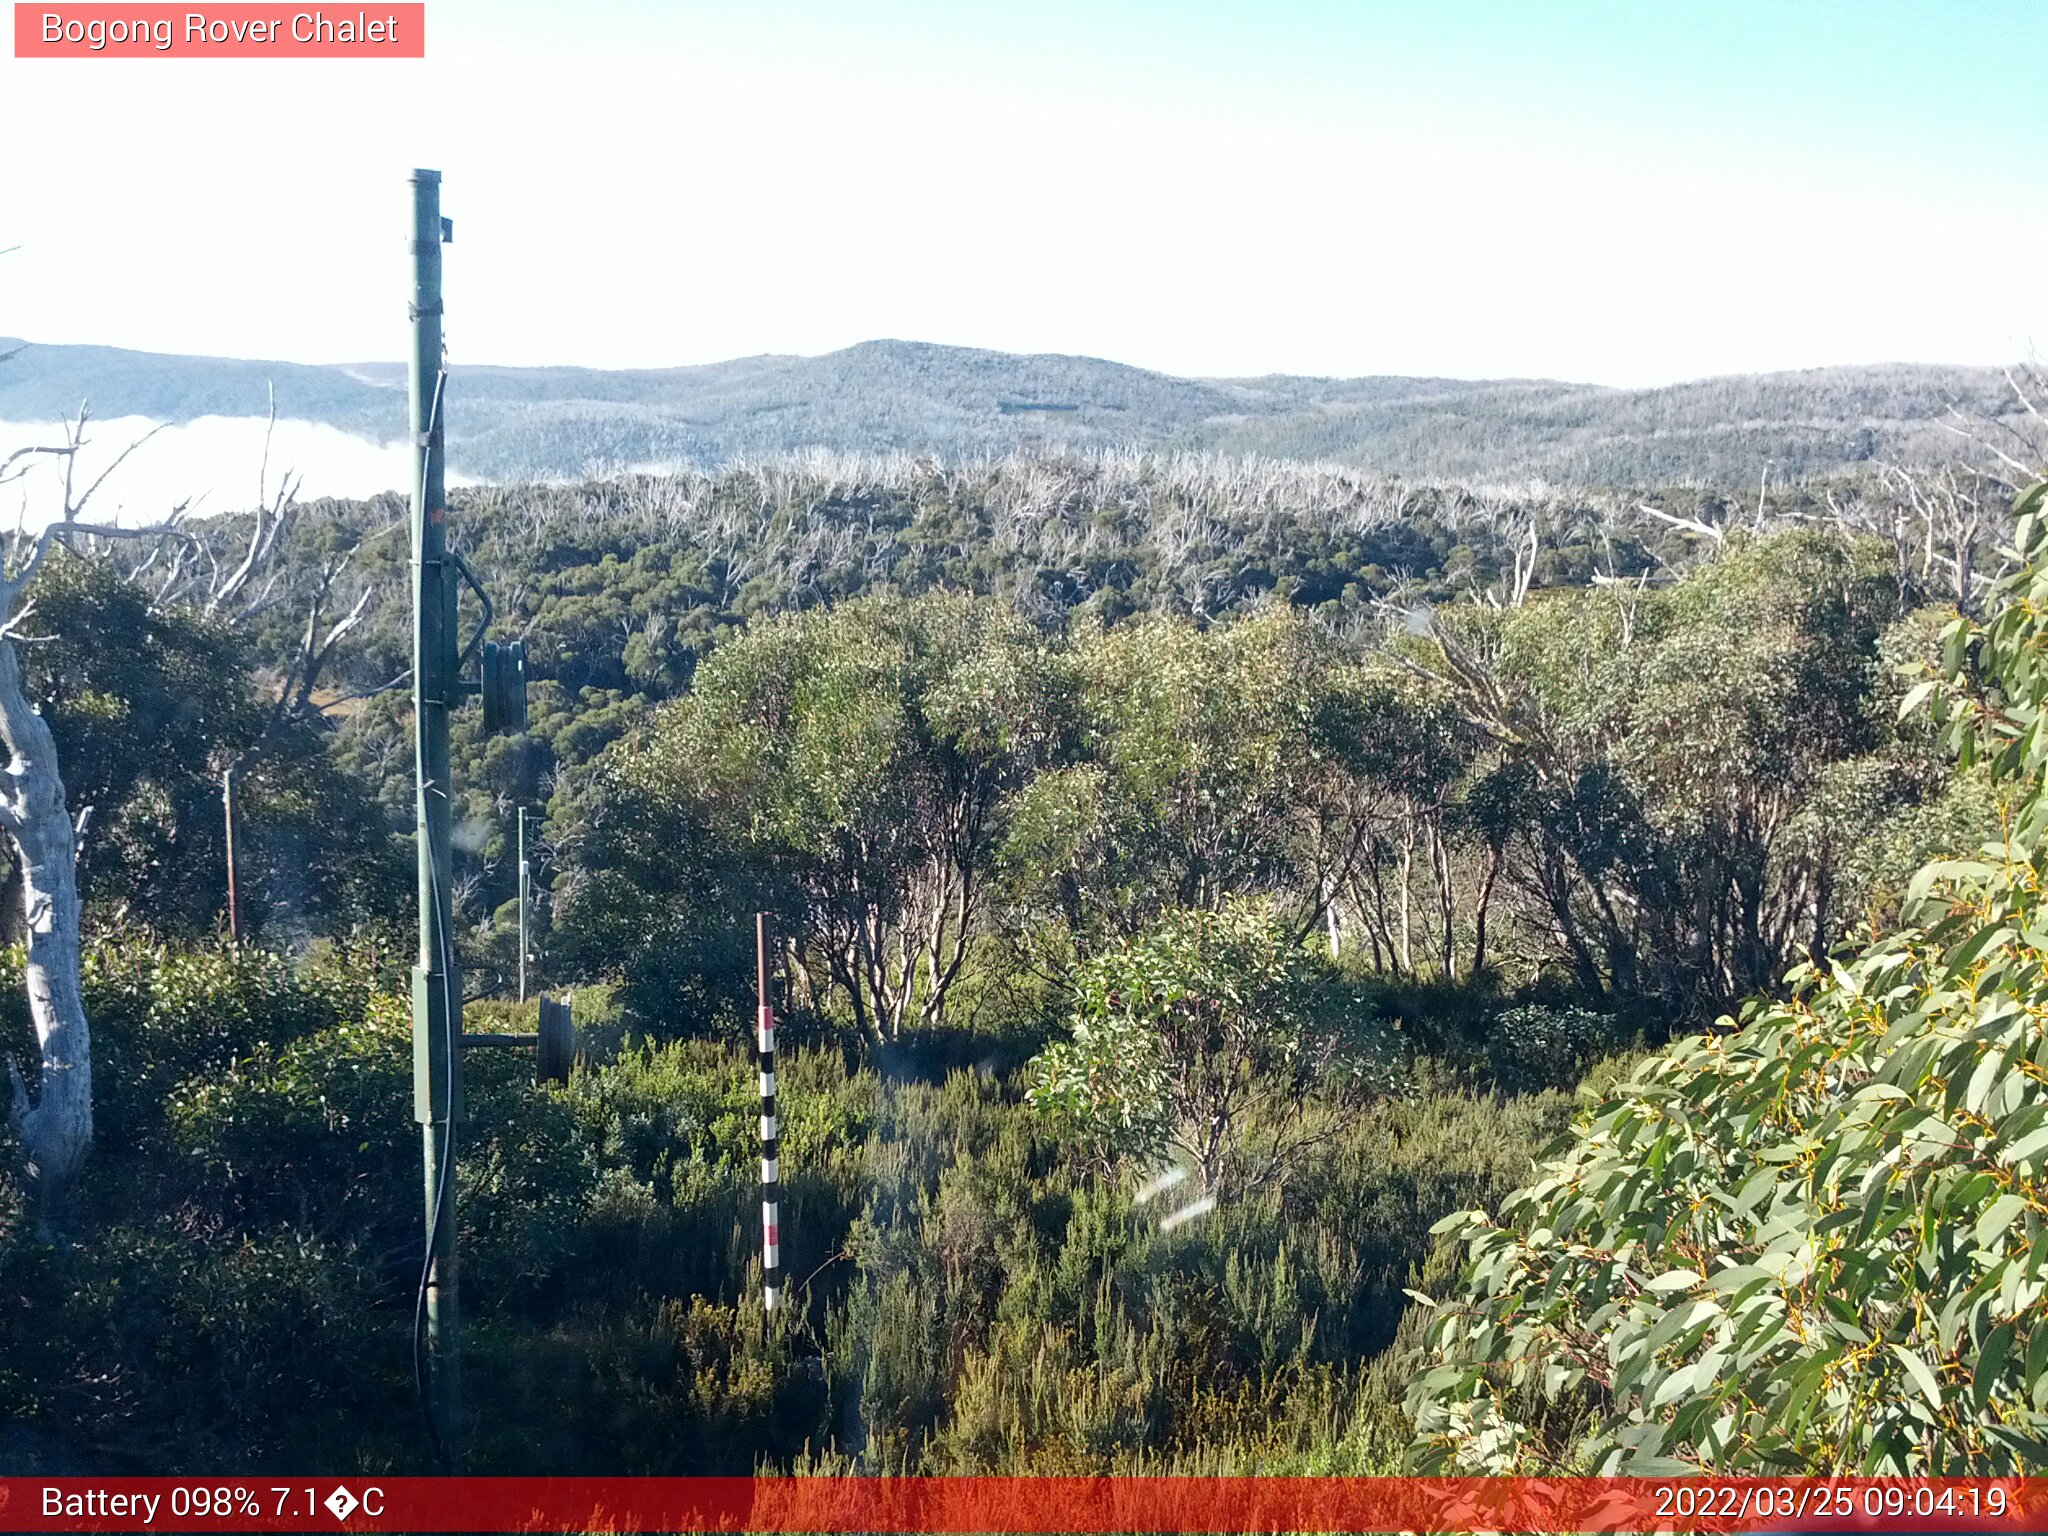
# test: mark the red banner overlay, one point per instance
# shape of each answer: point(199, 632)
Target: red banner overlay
point(1024, 1504)
point(372, 30)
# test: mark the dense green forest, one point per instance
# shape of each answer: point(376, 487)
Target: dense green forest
point(1207, 891)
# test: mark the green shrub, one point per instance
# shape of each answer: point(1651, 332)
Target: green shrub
point(1814, 1243)
point(1005, 1312)
point(1534, 1047)
point(318, 1131)
point(1203, 1028)
point(168, 1352)
point(163, 1015)
point(961, 1295)
point(654, 1387)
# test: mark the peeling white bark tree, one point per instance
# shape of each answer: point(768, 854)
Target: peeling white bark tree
point(52, 1117)
point(55, 1123)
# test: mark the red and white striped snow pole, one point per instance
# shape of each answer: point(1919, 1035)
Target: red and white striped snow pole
point(771, 1180)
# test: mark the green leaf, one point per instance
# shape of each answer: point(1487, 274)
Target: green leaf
point(1972, 949)
point(2028, 1146)
point(1988, 1072)
point(1922, 1376)
point(1991, 1363)
point(1674, 1280)
point(1998, 1215)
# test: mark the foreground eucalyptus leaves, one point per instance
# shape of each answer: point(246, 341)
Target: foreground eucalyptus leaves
point(1807, 1241)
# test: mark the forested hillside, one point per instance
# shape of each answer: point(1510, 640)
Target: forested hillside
point(511, 424)
point(1194, 879)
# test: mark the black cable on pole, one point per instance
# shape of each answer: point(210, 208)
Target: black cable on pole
point(422, 1364)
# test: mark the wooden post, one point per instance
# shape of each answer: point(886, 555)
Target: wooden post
point(771, 1174)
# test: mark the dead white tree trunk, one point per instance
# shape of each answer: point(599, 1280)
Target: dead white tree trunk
point(55, 1123)
point(53, 1119)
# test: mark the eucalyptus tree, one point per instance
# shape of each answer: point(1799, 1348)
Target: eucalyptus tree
point(143, 702)
point(1410, 756)
point(1810, 1239)
point(1210, 759)
point(861, 762)
point(53, 1117)
point(1677, 744)
point(178, 664)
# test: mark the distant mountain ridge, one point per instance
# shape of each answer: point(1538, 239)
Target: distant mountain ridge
point(897, 396)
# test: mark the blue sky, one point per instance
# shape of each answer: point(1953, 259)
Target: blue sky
point(1619, 193)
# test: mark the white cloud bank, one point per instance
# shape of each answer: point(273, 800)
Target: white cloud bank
point(213, 464)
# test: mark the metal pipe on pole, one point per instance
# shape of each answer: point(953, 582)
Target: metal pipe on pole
point(227, 803)
point(525, 890)
point(436, 988)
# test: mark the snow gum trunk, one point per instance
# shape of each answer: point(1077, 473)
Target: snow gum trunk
point(55, 1124)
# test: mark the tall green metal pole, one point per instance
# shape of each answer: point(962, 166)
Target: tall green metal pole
point(436, 989)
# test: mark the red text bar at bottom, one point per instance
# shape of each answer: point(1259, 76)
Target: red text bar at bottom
point(269, 1502)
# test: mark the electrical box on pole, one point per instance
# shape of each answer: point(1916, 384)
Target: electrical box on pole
point(504, 688)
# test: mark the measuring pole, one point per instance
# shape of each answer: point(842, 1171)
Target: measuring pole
point(525, 887)
point(771, 1179)
point(436, 989)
